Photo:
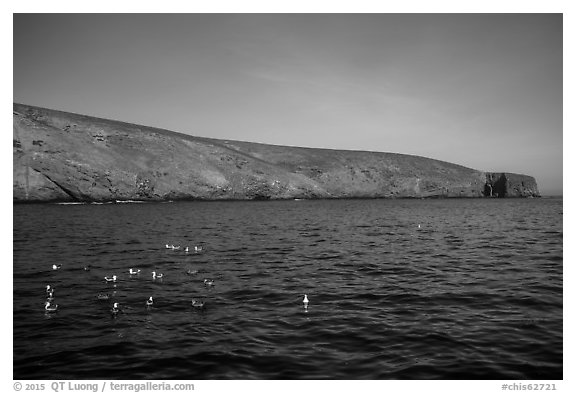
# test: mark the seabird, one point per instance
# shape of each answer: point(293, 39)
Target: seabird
point(110, 279)
point(208, 282)
point(132, 271)
point(305, 301)
point(49, 307)
point(157, 275)
point(197, 303)
point(197, 248)
point(56, 267)
point(115, 309)
point(49, 290)
point(149, 302)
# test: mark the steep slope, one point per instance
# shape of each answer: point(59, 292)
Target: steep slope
point(59, 156)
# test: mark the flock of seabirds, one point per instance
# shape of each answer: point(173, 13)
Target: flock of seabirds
point(50, 306)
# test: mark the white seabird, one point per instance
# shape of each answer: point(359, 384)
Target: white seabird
point(115, 309)
point(49, 307)
point(197, 303)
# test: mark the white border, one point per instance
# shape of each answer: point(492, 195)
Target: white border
point(311, 6)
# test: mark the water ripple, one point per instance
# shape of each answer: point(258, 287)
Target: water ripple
point(398, 289)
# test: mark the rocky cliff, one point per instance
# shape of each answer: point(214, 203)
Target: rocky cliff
point(61, 156)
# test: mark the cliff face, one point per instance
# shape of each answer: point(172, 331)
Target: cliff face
point(502, 185)
point(60, 156)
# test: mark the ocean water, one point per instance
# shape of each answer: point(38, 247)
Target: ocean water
point(398, 289)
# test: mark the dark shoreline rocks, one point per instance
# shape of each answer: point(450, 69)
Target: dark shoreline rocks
point(65, 157)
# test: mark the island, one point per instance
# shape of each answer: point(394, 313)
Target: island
point(67, 157)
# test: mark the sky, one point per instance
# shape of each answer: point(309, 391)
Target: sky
point(480, 90)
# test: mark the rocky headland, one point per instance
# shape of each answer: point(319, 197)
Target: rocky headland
point(67, 157)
